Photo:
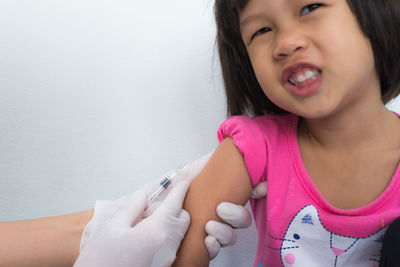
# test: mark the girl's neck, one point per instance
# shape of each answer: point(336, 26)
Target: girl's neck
point(352, 130)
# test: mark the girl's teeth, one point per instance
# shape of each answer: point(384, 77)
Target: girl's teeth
point(292, 82)
point(309, 74)
point(301, 78)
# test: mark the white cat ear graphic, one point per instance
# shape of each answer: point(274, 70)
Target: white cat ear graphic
point(308, 243)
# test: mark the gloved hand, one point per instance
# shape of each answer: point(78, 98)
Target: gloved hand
point(237, 216)
point(129, 239)
point(105, 208)
point(219, 234)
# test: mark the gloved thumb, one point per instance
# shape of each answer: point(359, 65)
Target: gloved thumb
point(259, 191)
point(131, 210)
point(236, 215)
point(172, 204)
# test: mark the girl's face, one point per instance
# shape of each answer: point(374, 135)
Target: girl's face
point(310, 58)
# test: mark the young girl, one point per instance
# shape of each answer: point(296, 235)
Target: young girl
point(313, 77)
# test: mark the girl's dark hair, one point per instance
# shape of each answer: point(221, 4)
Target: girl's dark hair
point(379, 21)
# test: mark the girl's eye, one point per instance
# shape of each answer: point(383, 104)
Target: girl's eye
point(260, 31)
point(307, 9)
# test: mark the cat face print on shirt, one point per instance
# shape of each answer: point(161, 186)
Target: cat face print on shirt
point(308, 243)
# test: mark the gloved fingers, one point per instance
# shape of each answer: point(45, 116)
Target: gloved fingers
point(184, 219)
point(172, 204)
point(212, 246)
point(131, 210)
point(151, 208)
point(172, 231)
point(193, 168)
point(259, 191)
point(236, 215)
point(223, 233)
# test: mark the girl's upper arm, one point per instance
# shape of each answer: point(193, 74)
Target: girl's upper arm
point(225, 178)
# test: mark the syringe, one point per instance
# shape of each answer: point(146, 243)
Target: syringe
point(165, 183)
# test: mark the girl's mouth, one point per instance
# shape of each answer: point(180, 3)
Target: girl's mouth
point(302, 79)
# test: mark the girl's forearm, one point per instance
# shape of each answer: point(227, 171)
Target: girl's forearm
point(51, 241)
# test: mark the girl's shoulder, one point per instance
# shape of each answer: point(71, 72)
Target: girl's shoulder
point(268, 125)
point(257, 137)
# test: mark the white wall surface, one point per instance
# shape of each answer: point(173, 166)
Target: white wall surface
point(99, 97)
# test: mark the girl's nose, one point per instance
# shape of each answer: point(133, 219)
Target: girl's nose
point(288, 44)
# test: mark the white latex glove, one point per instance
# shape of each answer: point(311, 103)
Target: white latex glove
point(127, 239)
point(237, 216)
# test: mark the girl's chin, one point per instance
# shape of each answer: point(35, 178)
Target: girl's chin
point(314, 114)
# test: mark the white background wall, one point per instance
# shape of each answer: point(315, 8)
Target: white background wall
point(99, 97)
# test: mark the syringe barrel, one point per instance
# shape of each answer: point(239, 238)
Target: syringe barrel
point(165, 183)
